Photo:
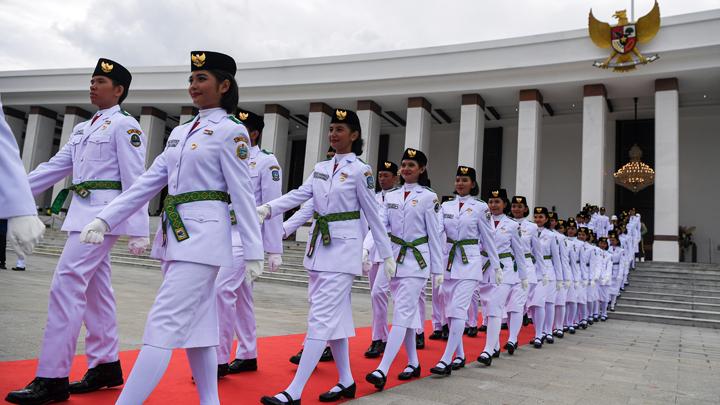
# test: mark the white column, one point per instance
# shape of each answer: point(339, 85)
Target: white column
point(316, 145)
point(472, 132)
point(186, 114)
point(275, 133)
point(667, 171)
point(73, 116)
point(368, 112)
point(419, 124)
point(528, 156)
point(16, 121)
point(592, 184)
point(152, 123)
point(38, 143)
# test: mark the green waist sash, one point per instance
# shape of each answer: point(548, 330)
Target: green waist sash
point(83, 190)
point(547, 257)
point(505, 256)
point(322, 226)
point(530, 256)
point(172, 215)
point(459, 244)
point(404, 246)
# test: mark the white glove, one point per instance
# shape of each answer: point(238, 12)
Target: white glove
point(592, 283)
point(546, 279)
point(586, 283)
point(137, 245)
point(94, 232)
point(558, 285)
point(274, 261)
point(263, 212)
point(498, 276)
point(524, 284)
point(25, 232)
point(577, 284)
point(606, 280)
point(390, 267)
point(568, 283)
point(253, 270)
point(439, 279)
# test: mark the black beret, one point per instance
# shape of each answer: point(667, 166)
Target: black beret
point(501, 194)
point(552, 215)
point(207, 60)
point(541, 210)
point(388, 166)
point(518, 199)
point(347, 117)
point(467, 171)
point(113, 70)
point(252, 121)
point(416, 155)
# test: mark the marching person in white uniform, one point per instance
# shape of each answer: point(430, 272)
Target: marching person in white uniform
point(552, 276)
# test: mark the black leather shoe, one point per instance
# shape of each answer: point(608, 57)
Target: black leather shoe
point(2, 266)
point(332, 396)
point(275, 401)
point(465, 331)
point(446, 370)
point(590, 321)
point(327, 355)
point(596, 319)
point(503, 326)
point(496, 354)
point(104, 375)
point(41, 391)
point(18, 268)
point(415, 373)
point(603, 318)
point(565, 328)
point(296, 358)
point(537, 343)
point(378, 382)
point(612, 309)
point(510, 347)
point(457, 365)
point(436, 335)
point(550, 339)
point(526, 320)
point(486, 360)
point(472, 331)
point(241, 365)
point(571, 330)
point(483, 328)
point(560, 334)
point(376, 349)
point(223, 370)
point(445, 332)
point(420, 341)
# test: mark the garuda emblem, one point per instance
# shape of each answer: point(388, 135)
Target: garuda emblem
point(623, 39)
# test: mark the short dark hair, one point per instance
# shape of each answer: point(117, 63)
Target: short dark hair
point(229, 100)
point(124, 95)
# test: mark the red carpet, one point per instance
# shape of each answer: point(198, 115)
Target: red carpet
point(274, 374)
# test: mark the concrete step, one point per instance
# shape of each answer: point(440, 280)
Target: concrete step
point(683, 313)
point(671, 304)
point(678, 278)
point(678, 270)
point(629, 315)
point(672, 288)
point(671, 297)
point(680, 266)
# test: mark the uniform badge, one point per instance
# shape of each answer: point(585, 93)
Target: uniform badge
point(369, 180)
point(488, 215)
point(321, 176)
point(275, 172)
point(392, 206)
point(242, 151)
point(469, 210)
point(135, 140)
point(194, 146)
point(343, 176)
point(105, 124)
point(173, 143)
point(238, 139)
point(448, 216)
point(437, 207)
point(413, 202)
point(208, 132)
point(253, 164)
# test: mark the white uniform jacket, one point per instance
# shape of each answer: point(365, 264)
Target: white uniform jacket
point(531, 246)
point(550, 254)
point(507, 240)
point(15, 196)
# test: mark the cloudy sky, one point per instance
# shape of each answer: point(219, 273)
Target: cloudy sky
point(40, 34)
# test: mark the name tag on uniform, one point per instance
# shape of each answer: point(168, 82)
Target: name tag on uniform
point(173, 143)
point(392, 206)
point(78, 132)
point(321, 176)
point(448, 216)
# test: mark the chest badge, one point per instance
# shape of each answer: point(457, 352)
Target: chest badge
point(413, 202)
point(105, 125)
point(208, 132)
point(252, 165)
point(343, 176)
point(173, 143)
point(193, 146)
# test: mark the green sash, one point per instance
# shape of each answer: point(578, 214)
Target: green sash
point(172, 215)
point(322, 226)
point(459, 245)
point(404, 246)
point(83, 190)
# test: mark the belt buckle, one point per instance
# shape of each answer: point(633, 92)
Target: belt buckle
point(82, 192)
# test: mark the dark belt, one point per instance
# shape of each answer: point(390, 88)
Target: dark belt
point(487, 263)
point(233, 218)
point(505, 256)
point(404, 246)
point(83, 190)
point(547, 257)
point(459, 244)
point(171, 213)
point(530, 256)
point(322, 226)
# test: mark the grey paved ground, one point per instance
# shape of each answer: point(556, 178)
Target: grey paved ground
point(616, 363)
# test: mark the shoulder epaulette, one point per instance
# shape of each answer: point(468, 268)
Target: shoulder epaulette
point(189, 121)
point(428, 188)
point(234, 119)
point(267, 152)
point(126, 113)
point(393, 189)
point(479, 199)
point(361, 160)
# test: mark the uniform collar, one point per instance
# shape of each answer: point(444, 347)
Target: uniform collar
point(108, 111)
point(254, 151)
point(212, 114)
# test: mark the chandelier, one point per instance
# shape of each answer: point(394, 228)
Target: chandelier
point(635, 175)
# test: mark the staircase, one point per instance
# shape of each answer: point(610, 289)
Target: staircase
point(672, 293)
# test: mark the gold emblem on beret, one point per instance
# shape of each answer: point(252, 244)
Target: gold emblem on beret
point(495, 194)
point(243, 116)
point(518, 199)
point(412, 153)
point(341, 114)
point(106, 67)
point(538, 210)
point(463, 170)
point(387, 165)
point(198, 60)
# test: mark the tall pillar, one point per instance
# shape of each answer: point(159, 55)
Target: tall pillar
point(38, 143)
point(419, 123)
point(73, 116)
point(368, 112)
point(316, 145)
point(16, 121)
point(152, 123)
point(593, 172)
point(528, 152)
point(472, 132)
point(275, 133)
point(186, 114)
point(667, 171)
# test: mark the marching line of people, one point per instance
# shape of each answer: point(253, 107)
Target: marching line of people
point(222, 218)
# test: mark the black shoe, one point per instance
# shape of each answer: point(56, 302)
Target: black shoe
point(458, 365)
point(332, 396)
point(584, 324)
point(483, 328)
point(596, 319)
point(603, 318)
point(240, 365)
point(104, 375)
point(19, 268)
point(571, 330)
point(510, 347)
point(472, 331)
point(485, 360)
point(496, 354)
point(465, 331)
point(436, 335)
point(550, 339)
point(406, 375)
point(376, 349)
point(590, 321)
point(327, 355)
point(447, 370)
point(378, 382)
point(526, 320)
point(420, 341)
point(543, 338)
point(445, 332)
point(565, 328)
point(537, 343)
point(296, 358)
point(223, 370)
point(503, 326)
point(41, 391)
point(2, 266)
point(275, 401)
point(560, 334)
point(612, 309)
